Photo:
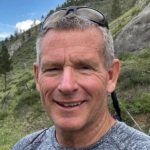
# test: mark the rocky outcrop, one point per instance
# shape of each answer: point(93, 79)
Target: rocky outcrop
point(14, 46)
point(135, 36)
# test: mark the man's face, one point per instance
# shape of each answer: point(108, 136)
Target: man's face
point(72, 80)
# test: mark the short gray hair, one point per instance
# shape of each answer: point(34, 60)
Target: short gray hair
point(72, 22)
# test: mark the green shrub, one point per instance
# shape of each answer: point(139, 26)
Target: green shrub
point(134, 74)
point(19, 91)
point(3, 115)
point(135, 69)
point(115, 30)
point(128, 78)
point(145, 54)
point(135, 11)
point(33, 86)
point(24, 79)
point(141, 104)
point(124, 55)
point(27, 99)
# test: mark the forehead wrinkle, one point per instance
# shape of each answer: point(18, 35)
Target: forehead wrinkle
point(63, 49)
point(52, 58)
point(79, 50)
point(85, 56)
point(52, 37)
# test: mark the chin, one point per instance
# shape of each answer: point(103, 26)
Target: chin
point(69, 124)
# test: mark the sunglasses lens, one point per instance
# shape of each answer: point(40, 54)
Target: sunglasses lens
point(92, 15)
point(88, 13)
point(54, 18)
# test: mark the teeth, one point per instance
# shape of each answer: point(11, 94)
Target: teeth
point(71, 105)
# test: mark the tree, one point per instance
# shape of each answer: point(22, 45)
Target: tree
point(16, 35)
point(42, 17)
point(22, 37)
point(11, 37)
point(28, 33)
point(34, 22)
point(6, 40)
point(5, 62)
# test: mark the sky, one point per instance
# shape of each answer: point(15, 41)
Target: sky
point(18, 15)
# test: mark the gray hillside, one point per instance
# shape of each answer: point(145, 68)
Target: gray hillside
point(135, 36)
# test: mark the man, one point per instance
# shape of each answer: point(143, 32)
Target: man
point(74, 73)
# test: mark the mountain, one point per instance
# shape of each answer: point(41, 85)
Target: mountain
point(21, 111)
point(135, 36)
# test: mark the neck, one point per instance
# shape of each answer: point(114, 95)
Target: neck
point(85, 137)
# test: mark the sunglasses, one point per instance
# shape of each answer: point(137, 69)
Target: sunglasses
point(83, 11)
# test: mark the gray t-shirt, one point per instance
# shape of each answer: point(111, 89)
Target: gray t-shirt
point(119, 137)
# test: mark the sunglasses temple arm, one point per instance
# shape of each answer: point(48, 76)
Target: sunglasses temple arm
point(116, 105)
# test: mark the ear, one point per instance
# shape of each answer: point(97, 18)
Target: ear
point(113, 75)
point(36, 76)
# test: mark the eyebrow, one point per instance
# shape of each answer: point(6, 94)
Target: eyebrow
point(51, 63)
point(85, 62)
point(86, 59)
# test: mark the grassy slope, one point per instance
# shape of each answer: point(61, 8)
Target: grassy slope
point(124, 19)
point(21, 112)
point(134, 88)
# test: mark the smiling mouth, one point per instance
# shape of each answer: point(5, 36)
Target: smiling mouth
point(67, 105)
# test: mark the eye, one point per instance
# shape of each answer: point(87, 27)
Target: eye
point(53, 70)
point(85, 68)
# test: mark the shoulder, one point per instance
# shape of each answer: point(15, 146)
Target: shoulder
point(35, 139)
point(130, 132)
point(127, 137)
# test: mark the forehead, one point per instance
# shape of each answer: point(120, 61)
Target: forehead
point(73, 43)
point(54, 39)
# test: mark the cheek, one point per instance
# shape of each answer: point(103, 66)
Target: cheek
point(47, 86)
point(95, 84)
point(47, 83)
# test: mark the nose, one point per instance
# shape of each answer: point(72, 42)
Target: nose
point(68, 82)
